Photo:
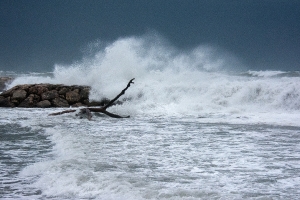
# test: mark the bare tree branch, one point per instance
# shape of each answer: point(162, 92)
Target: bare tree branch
point(63, 112)
point(88, 111)
point(118, 96)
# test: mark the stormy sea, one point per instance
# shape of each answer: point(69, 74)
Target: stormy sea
point(200, 127)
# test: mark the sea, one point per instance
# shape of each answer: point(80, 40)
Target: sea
point(200, 127)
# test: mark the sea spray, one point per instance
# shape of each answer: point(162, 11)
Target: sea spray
point(198, 130)
point(199, 81)
point(133, 57)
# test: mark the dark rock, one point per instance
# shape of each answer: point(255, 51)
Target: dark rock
point(60, 102)
point(72, 97)
point(30, 101)
point(86, 102)
point(49, 95)
point(19, 95)
point(9, 93)
point(84, 93)
point(58, 87)
point(44, 104)
point(77, 90)
point(38, 89)
point(23, 87)
point(63, 91)
point(5, 102)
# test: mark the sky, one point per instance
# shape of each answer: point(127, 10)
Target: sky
point(37, 34)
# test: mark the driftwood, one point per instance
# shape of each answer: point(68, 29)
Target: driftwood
point(102, 109)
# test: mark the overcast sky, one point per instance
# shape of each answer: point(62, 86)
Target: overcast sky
point(36, 34)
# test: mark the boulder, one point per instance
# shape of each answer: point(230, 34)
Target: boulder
point(63, 91)
point(44, 104)
point(49, 95)
point(60, 102)
point(30, 101)
point(9, 93)
point(19, 95)
point(5, 102)
point(38, 89)
point(23, 87)
point(73, 97)
point(45, 95)
point(77, 90)
point(84, 93)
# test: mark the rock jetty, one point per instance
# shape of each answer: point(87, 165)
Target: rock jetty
point(47, 95)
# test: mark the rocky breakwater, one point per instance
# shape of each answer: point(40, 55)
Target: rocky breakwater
point(46, 95)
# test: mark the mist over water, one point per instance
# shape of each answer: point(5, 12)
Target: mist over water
point(169, 81)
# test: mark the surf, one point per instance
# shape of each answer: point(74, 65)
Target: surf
point(201, 81)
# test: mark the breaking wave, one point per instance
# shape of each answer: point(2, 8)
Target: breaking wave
point(172, 81)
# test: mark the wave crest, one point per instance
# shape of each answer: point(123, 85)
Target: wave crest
point(169, 80)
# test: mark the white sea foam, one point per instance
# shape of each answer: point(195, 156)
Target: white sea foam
point(164, 158)
point(197, 82)
point(172, 156)
point(198, 130)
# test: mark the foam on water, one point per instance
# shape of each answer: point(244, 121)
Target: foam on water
point(199, 129)
point(201, 82)
point(156, 158)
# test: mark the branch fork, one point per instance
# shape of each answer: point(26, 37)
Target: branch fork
point(102, 109)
